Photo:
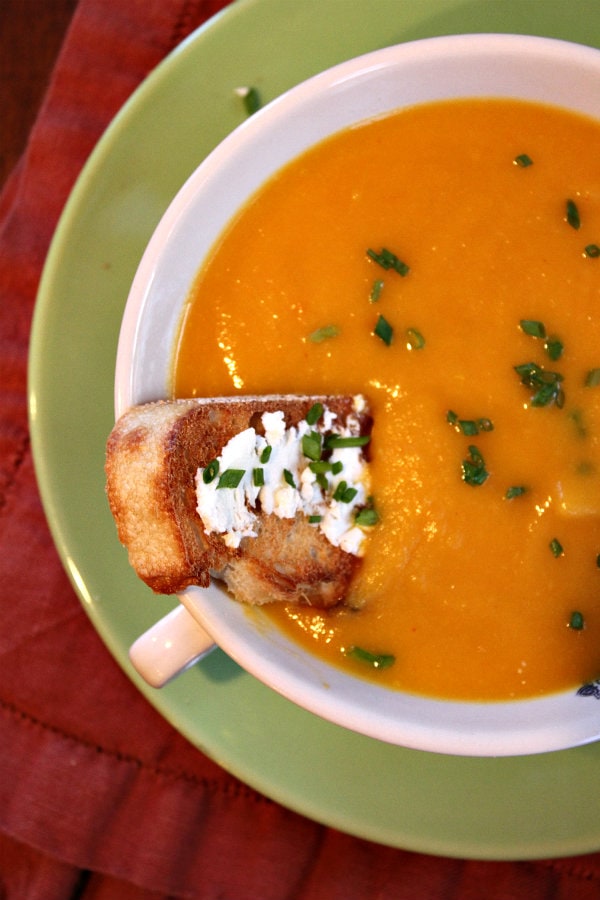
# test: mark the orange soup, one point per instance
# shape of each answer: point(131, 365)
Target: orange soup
point(445, 262)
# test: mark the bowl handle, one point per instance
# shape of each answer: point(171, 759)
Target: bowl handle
point(169, 647)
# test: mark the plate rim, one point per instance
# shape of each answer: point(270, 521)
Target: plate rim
point(37, 366)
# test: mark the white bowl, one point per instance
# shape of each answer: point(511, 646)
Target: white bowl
point(528, 68)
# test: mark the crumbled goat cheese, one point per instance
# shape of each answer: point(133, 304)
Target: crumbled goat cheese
point(232, 511)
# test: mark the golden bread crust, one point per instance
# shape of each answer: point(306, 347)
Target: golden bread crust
point(152, 456)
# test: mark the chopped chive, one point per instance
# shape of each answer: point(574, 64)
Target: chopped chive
point(258, 477)
point(547, 384)
point(314, 413)
point(414, 339)
point(576, 622)
point(388, 260)
point(376, 290)
point(344, 494)
point(230, 478)
point(312, 445)
point(251, 98)
point(523, 160)
point(549, 393)
point(514, 491)
point(289, 478)
point(556, 548)
point(473, 468)
point(576, 417)
point(384, 330)
point(585, 468)
point(337, 441)
point(377, 660)
point(554, 348)
point(533, 328)
point(324, 334)
point(314, 520)
point(573, 217)
point(265, 456)
point(552, 345)
point(339, 491)
point(322, 481)
point(211, 471)
point(468, 427)
point(366, 517)
point(527, 371)
point(337, 467)
point(592, 379)
point(592, 250)
point(320, 466)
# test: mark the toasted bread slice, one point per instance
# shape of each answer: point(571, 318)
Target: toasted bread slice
point(153, 454)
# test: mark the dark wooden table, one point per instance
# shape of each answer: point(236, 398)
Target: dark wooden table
point(31, 33)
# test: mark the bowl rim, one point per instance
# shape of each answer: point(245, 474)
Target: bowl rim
point(483, 727)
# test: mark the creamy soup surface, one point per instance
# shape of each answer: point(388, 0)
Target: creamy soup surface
point(477, 343)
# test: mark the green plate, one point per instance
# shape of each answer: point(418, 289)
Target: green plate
point(481, 808)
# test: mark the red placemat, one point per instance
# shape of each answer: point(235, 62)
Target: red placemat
point(95, 803)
